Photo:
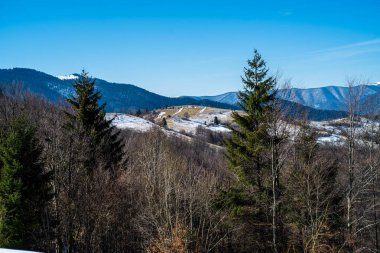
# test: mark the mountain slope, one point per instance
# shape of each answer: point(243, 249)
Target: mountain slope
point(327, 98)
point(228, 98)
point(119, 97)
point(297, 111)
point(324, 98)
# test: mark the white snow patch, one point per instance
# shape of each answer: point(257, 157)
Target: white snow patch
point(161, 115)
point(124, 121)
point(201, 111)
point(223, 116)
point(180, 110)
point(190, 126)
point(336, 139)
point(68, 77)
point(2, 250)
point(218, 128)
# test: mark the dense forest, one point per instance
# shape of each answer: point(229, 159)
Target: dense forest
point(72, 182)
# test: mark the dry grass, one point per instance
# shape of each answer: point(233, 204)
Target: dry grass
point(191, 110)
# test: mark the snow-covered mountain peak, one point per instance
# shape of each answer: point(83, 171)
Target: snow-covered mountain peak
point(68, 77)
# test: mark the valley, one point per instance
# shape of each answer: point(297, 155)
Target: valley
point(183, 121)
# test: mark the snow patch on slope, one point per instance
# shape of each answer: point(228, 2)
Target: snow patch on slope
point(161, 115)
point(180, 110)
point(68, 77)
point(124, 121)
point(223, 116)
point(190, 126)
point(336, 139)
point(15, 251)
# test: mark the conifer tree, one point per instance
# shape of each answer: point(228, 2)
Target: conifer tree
point(164, 123)
point(216, 121)
point(90, 116)
point(247, 149)
point(24, 187)
point(250, 140)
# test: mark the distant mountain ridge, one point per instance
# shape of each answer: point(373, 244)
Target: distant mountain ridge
point(127, 97)
point(323, 98)
point(119, 97)
point(227, 98)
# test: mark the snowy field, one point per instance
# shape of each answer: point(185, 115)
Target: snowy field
point(336, 139)
point(191, 125)
point(332, 132)
point(124, 121)
point(15, 251)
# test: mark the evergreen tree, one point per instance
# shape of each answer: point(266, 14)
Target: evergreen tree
point(216, 121)
point(249, 142)
point(138, 113)
point(164, 123)
point(90, 116)
point(24, 187)
point(248, 148)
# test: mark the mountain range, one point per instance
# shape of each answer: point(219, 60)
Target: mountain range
point(317, 103)
point(119, 97)
point(323, 98)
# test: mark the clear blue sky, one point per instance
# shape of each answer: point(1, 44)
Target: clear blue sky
point(193, 47)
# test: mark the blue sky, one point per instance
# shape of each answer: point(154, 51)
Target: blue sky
point(193, 47)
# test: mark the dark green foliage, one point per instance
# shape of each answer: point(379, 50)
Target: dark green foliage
point(306, 145)
point(24, 187)
point(216, 121)
point(164, 123)
point(138, 113)
point(90, 116)
point(250, 140)
point(234, 199)
point(247, 150)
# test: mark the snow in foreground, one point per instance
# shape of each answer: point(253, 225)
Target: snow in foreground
point(15, 251)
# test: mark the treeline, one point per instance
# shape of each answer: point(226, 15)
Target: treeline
point(70, 182)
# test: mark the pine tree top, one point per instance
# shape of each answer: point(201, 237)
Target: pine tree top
point(256, 99)
point(90, 115)
point(257, 94)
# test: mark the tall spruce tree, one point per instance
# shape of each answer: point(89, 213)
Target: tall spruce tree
point(24, 188)
point(248, 148)
point(90, 117)
point(250, 140)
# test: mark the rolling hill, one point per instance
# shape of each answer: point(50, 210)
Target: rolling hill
point(119, 97)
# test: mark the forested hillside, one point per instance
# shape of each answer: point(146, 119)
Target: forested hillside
point(119, 97)
point(70, 181)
